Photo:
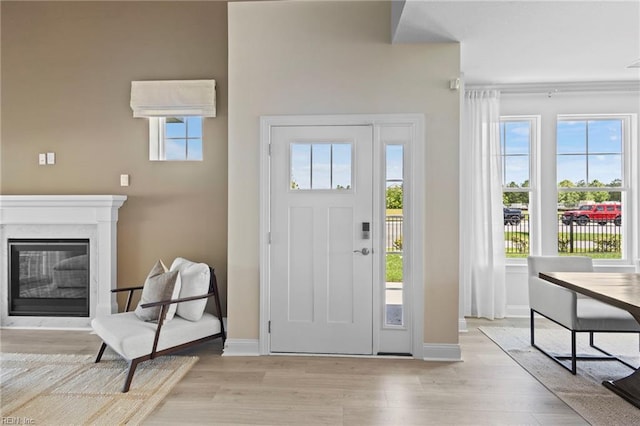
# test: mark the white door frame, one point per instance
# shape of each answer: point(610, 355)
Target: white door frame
point(414, 211)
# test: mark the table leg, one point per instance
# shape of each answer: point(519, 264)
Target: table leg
point(627, 387)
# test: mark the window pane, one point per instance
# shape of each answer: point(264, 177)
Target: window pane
point(300, 166)
point(175, 149)
point(516, 223)
point(194, 127)
point(605, 136)
point(605, 169)
point(321, 166)
point(516, 137)
point(175, 127)
point(515, 141)
point(394, 163)
point(341, 166)
point(590, 224)
point(393, 286)
point(571, 137)
point(516, 170)
point(183, 138)
point(194, 151)
point(571, 170)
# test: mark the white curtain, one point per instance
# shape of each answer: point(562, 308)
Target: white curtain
point(482, 230)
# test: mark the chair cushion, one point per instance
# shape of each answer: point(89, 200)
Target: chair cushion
point(126, 334)
point(159, 285)
point(195, 282)
point(598, 316)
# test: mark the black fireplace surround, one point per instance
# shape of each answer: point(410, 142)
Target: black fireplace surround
point(49, 277)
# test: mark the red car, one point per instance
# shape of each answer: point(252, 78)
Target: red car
point(601, 213)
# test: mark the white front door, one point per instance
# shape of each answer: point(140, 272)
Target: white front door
point(321, 254)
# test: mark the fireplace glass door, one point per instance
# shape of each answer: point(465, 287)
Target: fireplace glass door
point(49, 277)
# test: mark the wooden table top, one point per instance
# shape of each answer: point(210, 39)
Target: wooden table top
point(618, 289)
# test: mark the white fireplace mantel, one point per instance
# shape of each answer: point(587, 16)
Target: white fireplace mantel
point(93, 217)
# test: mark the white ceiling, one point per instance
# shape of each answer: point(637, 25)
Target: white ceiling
point(504, 42)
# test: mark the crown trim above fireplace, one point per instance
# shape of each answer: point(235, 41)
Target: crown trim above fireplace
point(91, 217)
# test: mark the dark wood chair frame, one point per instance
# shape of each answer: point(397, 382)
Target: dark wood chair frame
point(573, 356)
point(164, 304)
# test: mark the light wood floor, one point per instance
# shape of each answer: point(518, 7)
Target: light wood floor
point(488, 387)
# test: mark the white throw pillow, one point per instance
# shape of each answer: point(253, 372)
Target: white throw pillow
point(160, 284)
point(195, 282)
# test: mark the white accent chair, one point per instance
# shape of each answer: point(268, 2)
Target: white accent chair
point(137, 340)
point(573, 311)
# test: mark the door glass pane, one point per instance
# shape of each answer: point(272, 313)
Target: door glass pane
point(321, 166)
point(341, 166)
point(393, 294)
point(300, 166)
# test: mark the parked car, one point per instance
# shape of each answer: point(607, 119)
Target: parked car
point(601, 213)
point(511, 216)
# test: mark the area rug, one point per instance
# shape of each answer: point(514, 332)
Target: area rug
point(583, 392)
point(73, 390)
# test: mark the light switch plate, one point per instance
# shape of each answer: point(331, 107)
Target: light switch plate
point(124, 180)
point(42, 159)
point(51, 158)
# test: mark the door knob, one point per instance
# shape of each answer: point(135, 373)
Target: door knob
point(364, 251)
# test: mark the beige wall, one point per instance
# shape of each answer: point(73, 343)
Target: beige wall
point(332, 58)
point(66, 74)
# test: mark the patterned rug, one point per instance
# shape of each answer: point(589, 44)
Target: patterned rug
point(73, 390)
point(583, 392)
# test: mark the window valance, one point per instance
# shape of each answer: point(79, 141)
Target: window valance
point(171, 98)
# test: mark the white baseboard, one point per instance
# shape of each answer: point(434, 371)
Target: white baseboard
point(462, 325)
point(241, 347)
point(441, 352)
point(517, 311)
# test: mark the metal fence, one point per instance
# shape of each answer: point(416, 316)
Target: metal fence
point(516, 236)
point(592, 238)
point(589, 239)
point(393, 240)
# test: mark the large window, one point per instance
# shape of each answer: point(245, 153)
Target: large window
point(517, 140)
point(592, 186)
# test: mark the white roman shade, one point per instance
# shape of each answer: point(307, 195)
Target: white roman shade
point(173, 98)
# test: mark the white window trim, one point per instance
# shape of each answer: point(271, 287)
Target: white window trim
point(535, 236)
point(156, 139)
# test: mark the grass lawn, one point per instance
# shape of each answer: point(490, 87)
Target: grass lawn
point(394, 268)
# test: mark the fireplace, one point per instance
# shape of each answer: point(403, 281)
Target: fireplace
point(49, 277)
point(71, 244)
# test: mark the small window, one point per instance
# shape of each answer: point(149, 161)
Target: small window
point(175, 138)
point(320, 166)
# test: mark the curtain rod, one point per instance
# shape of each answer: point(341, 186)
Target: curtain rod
point(552, 88)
